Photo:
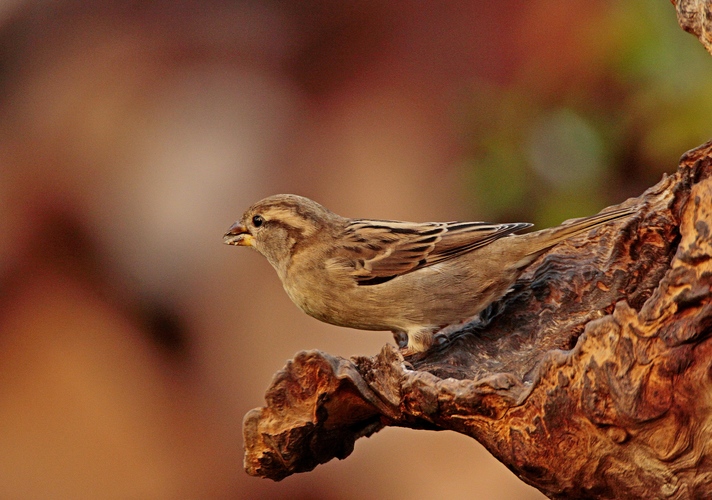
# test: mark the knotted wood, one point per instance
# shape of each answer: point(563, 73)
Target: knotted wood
point(590, 379)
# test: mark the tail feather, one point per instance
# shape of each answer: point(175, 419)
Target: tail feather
point(567, 230)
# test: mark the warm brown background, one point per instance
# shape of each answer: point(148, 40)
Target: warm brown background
point(133, 134)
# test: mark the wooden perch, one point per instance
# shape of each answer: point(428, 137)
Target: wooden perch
point(695, 16)
point(590, 379)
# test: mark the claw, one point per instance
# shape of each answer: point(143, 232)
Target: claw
point(441, 338)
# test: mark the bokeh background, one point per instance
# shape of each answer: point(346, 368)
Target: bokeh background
point(132, 134)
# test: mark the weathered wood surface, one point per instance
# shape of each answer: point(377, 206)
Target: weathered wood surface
point(591, 378)
point(695, 16)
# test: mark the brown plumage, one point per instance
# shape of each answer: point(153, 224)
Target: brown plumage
point(412, 278)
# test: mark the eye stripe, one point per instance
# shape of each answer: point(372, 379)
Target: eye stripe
point(288, 219)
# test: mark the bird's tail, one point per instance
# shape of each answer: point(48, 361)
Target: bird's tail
point(540, 241)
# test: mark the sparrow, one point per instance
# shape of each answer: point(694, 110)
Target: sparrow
point(411, 278)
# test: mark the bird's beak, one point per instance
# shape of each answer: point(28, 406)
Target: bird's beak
point(238, 235)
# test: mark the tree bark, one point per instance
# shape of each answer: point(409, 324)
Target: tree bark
point(591, 379)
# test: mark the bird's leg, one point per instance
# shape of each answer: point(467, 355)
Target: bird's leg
point(449, 332)
point(400, 338)
point(441, 337)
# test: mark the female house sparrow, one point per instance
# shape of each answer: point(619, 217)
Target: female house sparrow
point(412, 278)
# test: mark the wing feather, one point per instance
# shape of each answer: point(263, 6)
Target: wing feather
point(377, 251)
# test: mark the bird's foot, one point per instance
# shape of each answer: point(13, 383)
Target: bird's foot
point(441, 338)
point(401, 340)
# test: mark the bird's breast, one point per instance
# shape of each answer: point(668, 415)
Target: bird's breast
point(340, 301)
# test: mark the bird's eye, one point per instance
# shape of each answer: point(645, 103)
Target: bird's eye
point(257, 220)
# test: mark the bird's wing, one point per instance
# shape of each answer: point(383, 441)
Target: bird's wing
point(377, 251)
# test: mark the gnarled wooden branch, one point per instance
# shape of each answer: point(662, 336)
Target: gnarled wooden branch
point(591, 378)
point(695, 16)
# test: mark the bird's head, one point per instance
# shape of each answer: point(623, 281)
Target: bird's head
point(275, 225)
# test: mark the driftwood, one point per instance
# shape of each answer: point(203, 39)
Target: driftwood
point(591, 379)
point(695, 16)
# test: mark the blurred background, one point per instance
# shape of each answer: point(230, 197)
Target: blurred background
point(132, 134)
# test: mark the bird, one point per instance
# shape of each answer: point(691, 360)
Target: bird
point(414, 279)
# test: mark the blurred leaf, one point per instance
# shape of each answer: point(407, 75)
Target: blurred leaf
point(497, 177)
point(566, 150)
